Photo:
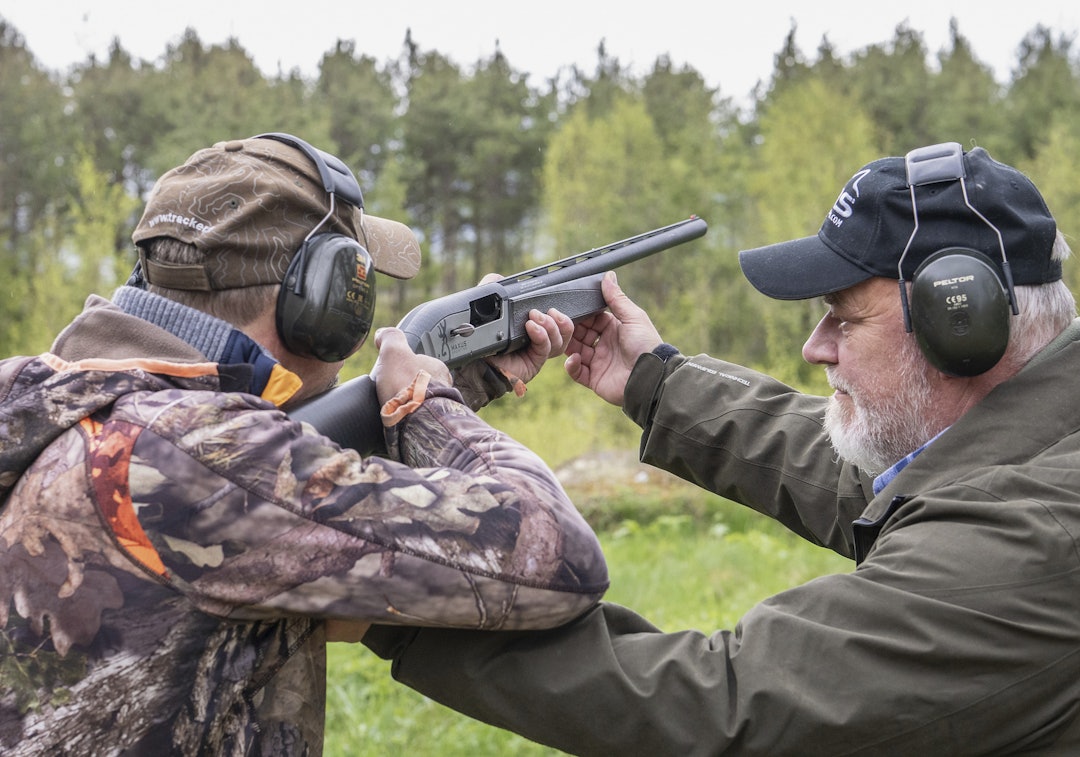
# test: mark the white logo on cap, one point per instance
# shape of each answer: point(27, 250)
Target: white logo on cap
point(181, 220)
point(845, 203)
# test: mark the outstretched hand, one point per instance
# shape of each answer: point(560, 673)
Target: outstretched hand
point(605, 346)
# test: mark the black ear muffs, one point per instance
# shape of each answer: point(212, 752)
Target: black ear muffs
point(327, 301)
point(959, 311)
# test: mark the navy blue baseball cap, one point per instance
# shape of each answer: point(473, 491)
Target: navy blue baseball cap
point(870, 225)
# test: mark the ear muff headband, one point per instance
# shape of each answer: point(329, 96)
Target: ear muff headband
point(336, 177)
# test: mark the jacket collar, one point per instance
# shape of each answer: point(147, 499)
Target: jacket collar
point(1016, 420)
point(140, 324)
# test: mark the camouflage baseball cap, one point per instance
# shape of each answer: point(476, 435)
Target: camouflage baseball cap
point(249, 204)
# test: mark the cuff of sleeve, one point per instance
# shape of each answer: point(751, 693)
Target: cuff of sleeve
point(646, 382)
point(395, 413)
point(407, 401)
point(389, 642)
point(665, 351)
point(481, 383)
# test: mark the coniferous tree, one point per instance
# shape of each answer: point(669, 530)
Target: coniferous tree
point(1045, 86)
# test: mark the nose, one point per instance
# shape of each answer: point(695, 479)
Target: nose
point(820, 346)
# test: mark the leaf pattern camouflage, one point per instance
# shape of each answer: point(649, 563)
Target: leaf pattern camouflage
point(168, 554)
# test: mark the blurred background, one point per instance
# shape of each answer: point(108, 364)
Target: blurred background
point(499, 168)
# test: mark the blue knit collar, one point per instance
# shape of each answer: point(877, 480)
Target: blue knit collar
point(216, 339)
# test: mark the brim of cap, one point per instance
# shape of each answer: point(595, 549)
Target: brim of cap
point(394, 249)
point(799, 269)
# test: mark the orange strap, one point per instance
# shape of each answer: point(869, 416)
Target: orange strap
point(407, 400)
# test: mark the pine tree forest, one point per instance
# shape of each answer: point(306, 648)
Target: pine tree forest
point(496, 172)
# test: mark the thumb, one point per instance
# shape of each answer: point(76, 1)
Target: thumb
point(573, 367)
point(390, 337)
point(621, 306)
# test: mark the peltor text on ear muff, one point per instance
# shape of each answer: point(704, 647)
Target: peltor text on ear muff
point(959, 312)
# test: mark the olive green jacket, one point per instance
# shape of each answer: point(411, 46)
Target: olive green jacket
point(957, 631)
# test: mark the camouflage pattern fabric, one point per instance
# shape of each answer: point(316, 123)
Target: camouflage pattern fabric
point(168, 554)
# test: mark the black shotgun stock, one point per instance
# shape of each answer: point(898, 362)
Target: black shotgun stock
point(488, 319)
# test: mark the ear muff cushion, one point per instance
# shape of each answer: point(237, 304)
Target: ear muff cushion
point(960, 312)
point(330, 314)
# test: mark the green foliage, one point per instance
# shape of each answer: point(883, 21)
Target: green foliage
point(793, 189)
point(1046, 86)
point(357, 96)
point(369, 715)
point(605, 177)
point(1053, 171)
point(498, 174)
point(684, 574)
point(891, 83)
point(561, 420)
point(34, 143)
point(99, 214)
point(976, 115)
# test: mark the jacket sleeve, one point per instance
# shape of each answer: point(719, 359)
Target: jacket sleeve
point(255, 515)
point(955, 635)
point(749, 438)
point(918, 651)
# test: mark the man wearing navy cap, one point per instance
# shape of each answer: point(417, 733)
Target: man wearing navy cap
point(946, 465)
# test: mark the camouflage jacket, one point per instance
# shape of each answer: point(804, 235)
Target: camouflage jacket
point(171, 545)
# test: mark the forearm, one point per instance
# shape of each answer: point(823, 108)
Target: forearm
point(842, 665)
point(746, 437)
point(552, 545)
point(288, 523)
point(606, 683)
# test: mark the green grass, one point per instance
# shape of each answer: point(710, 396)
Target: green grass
point(680, 557)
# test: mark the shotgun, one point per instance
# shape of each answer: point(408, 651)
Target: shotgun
point(485, 320)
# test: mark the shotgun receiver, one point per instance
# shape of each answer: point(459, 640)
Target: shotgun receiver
point(488, 319)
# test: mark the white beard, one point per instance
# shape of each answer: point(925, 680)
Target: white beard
point(878, 425)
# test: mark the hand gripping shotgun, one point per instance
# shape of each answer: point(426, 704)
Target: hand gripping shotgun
point(484, 320)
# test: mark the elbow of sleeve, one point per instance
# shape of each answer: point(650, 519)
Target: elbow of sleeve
point(554, 591)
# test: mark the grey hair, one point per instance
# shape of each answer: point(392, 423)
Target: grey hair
point(1045, 311)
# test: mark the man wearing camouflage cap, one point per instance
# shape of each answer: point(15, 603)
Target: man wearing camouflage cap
point(946, 465)
point(177, 551)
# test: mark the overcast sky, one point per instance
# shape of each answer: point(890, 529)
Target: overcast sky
point(730, 43)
